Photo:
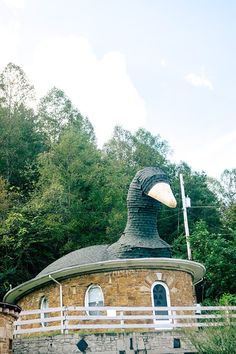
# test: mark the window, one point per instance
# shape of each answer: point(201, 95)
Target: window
point(160, 298)
point(44, 306)
point(94, 297)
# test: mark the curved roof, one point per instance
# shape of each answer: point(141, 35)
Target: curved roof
point(87, 255)
point(196, 270)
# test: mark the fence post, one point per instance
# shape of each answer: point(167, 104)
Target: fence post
point(65, 321)
point(227, 317)
point(122, 314)
point(174, 320)
point(17, 327)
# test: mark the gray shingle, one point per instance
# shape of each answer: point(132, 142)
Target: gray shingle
point(85, 255)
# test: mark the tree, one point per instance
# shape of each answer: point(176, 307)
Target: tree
point(56, 112)
point(225, 189)
point(25, 245)
point(218, 255)
point(204, 203)
point(15, 89)
point(8, 198)
point(20, 142)
point(64, 213)
point(137, 150)
point(69, 190)
point(228, 187)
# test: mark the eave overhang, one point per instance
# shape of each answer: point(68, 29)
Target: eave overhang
point(196, 270)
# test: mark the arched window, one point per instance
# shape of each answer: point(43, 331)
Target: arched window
point(160, 298)
point(43, 306)
point(94, 297)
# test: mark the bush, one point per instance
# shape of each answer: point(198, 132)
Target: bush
point(221, 340)
point(227, 300)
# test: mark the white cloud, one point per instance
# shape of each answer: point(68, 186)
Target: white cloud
point(163, 63)
point(199, 80)
point(15, 4)
point(100, 88)
point(213, 157)
point(10, 27)
point(10, 40)
point(222, 142)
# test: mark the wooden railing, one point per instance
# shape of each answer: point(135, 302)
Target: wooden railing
point(73, 318)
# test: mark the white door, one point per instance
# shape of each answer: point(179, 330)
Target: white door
point(161, 298)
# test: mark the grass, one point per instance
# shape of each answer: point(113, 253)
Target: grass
point(212, 340)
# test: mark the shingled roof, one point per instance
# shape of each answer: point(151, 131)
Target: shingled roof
point(87, 255)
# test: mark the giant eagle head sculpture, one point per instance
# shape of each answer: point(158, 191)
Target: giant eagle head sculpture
point(140, 239)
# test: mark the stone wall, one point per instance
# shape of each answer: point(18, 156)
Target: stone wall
point(120, 288)
point(8, 314)
point(119, 343)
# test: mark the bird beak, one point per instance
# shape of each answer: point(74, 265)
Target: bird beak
point(163, 193)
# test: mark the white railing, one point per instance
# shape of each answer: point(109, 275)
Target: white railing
point(81, 318)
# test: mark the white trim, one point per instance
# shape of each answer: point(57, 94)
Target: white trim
point(197, 270)
point(156, 321)
point(86, 299)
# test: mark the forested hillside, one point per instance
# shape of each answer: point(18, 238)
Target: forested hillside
point(60, 192)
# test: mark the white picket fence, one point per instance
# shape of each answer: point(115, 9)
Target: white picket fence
point(73, 318)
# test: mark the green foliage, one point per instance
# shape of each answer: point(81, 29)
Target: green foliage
point(137, 150)
point(56, 112)
point(69, 191)
point(228, 186)
point(227, 300)
point(218, 256)
point(15, 89)
point(20, 141)
point(225, 189)
point(220, 340)
point(26, 248)
point(205, 206)
point(59, 192)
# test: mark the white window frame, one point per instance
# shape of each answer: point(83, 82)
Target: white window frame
point(44, 306)
point(156, 321)
point(87, 298)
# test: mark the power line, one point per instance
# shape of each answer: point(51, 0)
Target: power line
point(204, 206)
point(168, 217)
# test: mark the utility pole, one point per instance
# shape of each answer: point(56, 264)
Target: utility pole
point(185, 204)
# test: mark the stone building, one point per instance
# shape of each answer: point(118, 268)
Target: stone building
point(137, 270)
point(8, 314)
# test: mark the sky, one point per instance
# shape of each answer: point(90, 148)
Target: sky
point(165, 65)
